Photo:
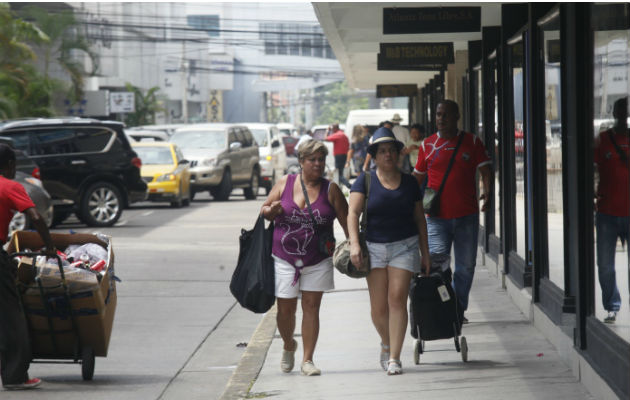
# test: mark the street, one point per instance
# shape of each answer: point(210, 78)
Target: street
point(175, 266)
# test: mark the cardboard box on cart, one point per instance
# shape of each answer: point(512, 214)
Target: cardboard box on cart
point(93, 309)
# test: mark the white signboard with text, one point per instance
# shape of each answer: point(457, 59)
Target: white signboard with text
point(122, 102)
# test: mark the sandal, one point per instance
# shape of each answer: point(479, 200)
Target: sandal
point(384, 356)
point(394, 367)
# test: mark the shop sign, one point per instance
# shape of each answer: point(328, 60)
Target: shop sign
point(396, 90)
point(431, 20)
point(122, 102)
point(415, 56)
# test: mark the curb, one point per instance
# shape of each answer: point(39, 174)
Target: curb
point(252, 360)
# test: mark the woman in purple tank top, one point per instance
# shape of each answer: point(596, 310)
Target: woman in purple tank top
point(303, 244)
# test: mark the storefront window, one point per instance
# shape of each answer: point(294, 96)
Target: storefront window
point(516, 51)
point(553, 133)
point(497, 154)
point(479, 120)
point(612, 178)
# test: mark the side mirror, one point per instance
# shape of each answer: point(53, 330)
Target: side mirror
point(275, 143)
point(235, 146)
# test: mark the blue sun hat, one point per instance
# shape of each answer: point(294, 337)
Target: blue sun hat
point(383, 135)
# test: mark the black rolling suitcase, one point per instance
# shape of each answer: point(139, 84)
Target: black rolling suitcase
point(434, 312)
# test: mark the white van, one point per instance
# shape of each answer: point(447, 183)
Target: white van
point(373, 117)
point(273, 156)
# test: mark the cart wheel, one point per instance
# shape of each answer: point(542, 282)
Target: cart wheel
point(464, 349)
point(87, 363)
point(417, 349)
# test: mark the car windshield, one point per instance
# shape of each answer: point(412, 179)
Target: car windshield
point(260, 135)
point(154, 155)
point(200, 139)
point(285, 131)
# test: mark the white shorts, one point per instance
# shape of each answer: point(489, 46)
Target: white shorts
point(314, 278)
point(403, 254)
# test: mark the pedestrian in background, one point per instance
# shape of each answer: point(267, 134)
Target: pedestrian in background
point(369, 163)
point(341, 145)
point(613, 203)
point(396, 235)
point(303, 244)
point(457, 223)
point(15, 348)
point(358, 148)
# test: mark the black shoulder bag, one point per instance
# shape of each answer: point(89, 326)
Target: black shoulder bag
point(326, 243)
point(431, 199)
point(622, 155)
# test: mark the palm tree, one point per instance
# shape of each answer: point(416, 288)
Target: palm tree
point(15, 55)
point(62, 29)
point(146, 105)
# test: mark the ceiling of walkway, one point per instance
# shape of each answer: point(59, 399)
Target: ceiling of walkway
point(354, 31)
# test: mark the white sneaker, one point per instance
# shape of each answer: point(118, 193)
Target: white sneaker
point(394, 367)
point(309, 369)
point(611, 318)
point(288, 359)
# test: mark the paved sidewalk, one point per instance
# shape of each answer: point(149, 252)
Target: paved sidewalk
point(508, 357)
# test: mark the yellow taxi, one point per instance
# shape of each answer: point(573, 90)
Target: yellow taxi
point(165, 171)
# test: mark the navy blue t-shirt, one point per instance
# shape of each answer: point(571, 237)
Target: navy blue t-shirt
point(389, 212)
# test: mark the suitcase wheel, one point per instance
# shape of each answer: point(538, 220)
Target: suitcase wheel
point(464, 349)
point(416, 352)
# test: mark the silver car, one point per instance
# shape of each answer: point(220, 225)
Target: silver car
point(222, 157)
point(40, 197)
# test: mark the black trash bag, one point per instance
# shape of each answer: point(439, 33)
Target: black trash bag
point(253, 282)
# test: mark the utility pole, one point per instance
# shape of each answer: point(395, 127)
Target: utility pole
point(184, 69)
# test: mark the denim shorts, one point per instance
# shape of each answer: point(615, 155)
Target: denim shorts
point(403, 254)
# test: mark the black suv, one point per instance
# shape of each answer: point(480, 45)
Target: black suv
point(86, 165)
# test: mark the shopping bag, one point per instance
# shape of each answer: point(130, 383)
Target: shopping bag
point(253, 281)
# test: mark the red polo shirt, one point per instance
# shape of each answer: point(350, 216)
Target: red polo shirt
point(13, 197)
point(459, 196)
point(341, 144)
point(614, 177)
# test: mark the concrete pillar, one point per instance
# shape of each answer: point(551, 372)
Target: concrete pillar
point(454, 74)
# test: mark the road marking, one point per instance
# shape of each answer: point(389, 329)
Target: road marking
point(121, 222)
point(146, 214)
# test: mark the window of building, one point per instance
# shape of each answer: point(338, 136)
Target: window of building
point(553, 131)
point(516, 57)
point(611, 69)
point(208, 23)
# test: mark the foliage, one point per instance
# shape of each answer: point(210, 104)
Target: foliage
point(146, 105)
point(65, 38)
point(335, 101)
point(20, 84)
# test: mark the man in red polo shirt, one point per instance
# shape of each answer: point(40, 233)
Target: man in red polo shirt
point(15, 350)
point(341, 145)
point(457, 223)
point(612, 157)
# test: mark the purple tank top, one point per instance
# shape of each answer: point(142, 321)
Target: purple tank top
point(295, 239)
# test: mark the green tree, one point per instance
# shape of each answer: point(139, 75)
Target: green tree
point(335, 101)
point(63, 30)
point(146, 104)
point(19, 81)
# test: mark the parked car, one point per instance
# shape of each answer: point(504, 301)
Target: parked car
point(273, 156)
point(141, 135)
point(43, 203)
point(86, 165)
point(222, 157)
point(166, 172)
point(289, 145)
point(287, 129)
point(319, 131)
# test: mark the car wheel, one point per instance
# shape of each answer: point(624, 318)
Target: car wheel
point(222, 193)
point(178, 203)
point(251, 192)
point(101, 205)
